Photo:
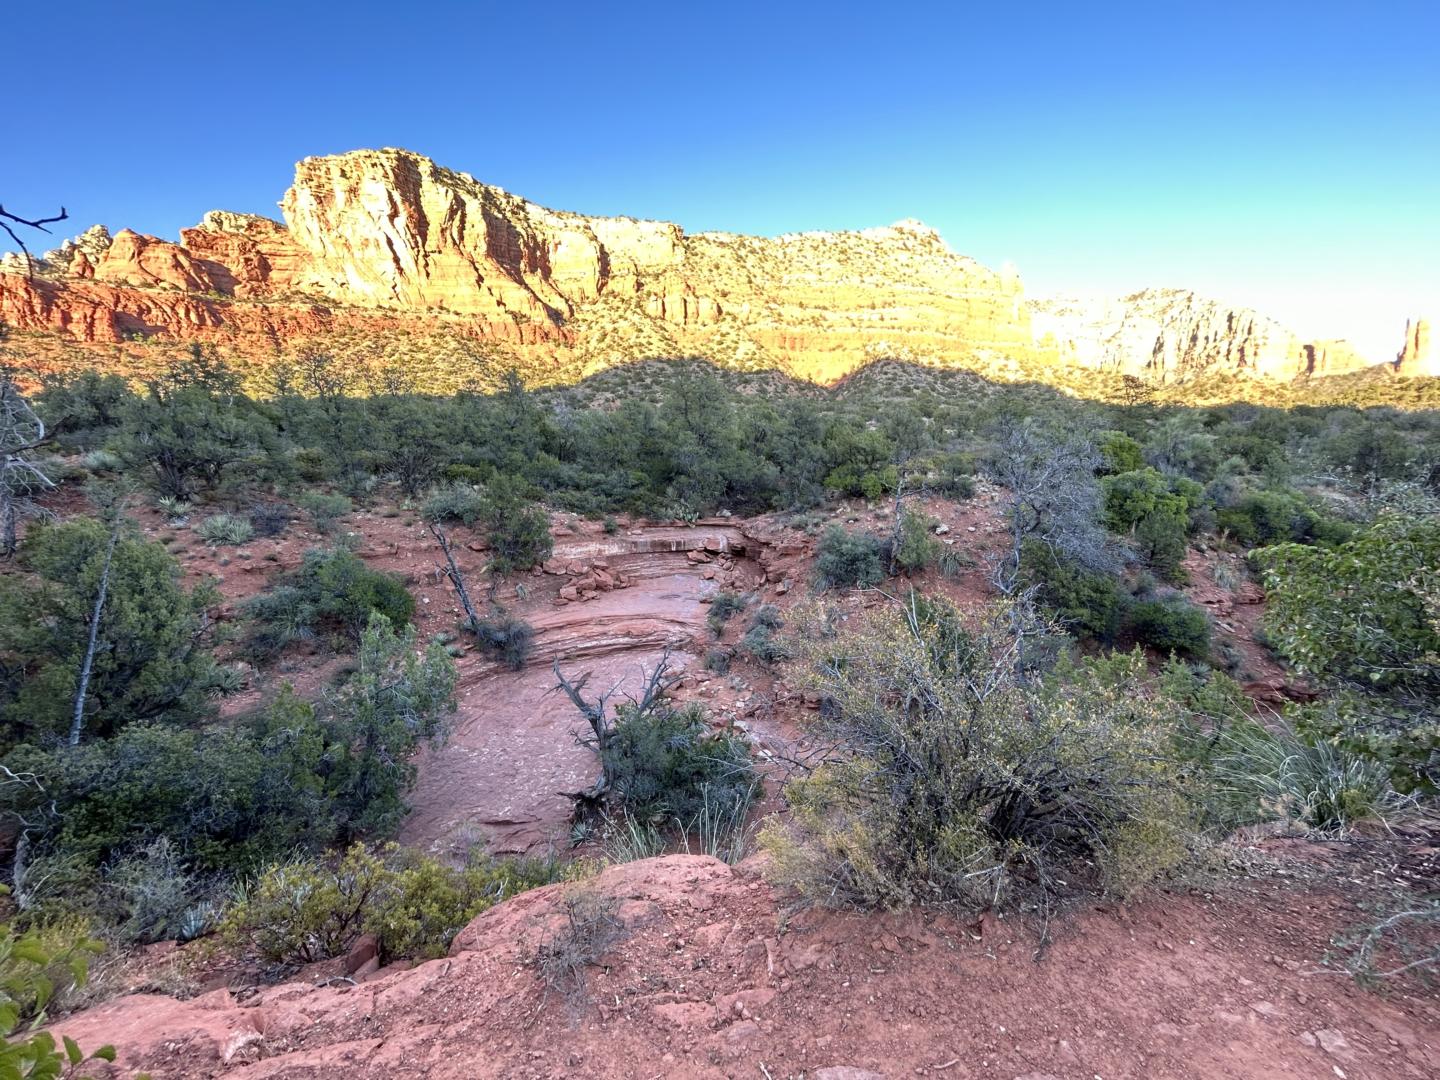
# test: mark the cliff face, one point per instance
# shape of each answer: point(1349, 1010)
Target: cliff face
point(386, 240)
point(1417, 356)
point(389, 235)
point(1165, 335)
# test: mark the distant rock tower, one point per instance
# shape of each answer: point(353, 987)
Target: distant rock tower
point(1417, 357)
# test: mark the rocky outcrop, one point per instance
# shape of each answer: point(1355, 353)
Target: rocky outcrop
point(148, 262)
point(386, 239)
point(390, 234)
point(1167, 335)
point(1417, 357)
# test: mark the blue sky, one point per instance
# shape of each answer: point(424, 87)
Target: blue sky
point(1281, 155)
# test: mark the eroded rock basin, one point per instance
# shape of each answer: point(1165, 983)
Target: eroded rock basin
point(514, 753)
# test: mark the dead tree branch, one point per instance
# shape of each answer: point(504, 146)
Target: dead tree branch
point(38, 224)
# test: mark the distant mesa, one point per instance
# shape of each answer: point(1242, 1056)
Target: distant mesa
point(380, 240)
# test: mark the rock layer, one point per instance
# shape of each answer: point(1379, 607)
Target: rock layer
point(1165, 335)
point(1417, 356)
point(387, 239)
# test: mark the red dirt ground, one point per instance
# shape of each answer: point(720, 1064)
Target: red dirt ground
point(717, 979)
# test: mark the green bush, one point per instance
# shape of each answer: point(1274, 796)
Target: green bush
point(724, 606)
point(304, 910)
point(331, 590)
point(224, 529)
point(666, 765)
point(957, 776)
point(151, 661)
point(1119, 452)
point(1089, 605)
point(1170, 625)
point(324, 509)
point(517, 530)
point(508, 637)
point(454, 503)
point(1277, 517)
point(33, 966)
point(918, 546)
point(846, 559)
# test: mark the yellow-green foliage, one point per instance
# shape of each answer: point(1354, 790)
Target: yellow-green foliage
point(34, 967)
point(964, 775)
point(306, 910)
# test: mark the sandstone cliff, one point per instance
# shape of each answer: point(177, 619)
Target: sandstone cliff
point(1417, 357)
point(1166, 335)
point(385, 245)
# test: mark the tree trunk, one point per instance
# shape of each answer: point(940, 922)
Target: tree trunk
point(77, 722)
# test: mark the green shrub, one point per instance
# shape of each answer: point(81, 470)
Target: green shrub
point(760, 639)
point(305, 910)
point(33, 966)
point(518, 531)
point(508, 637)
point(665, 764)
point(957, 776)
point(718, 661)
point(332, 590)
point(1170, 624)
point(846, 559)
point(724, 606)
point(325, 509)
point(918, 546)
point(1119, 452)
point(151, 660)
point(224, 529)
point(468, 475)
point(1364, 612)
point(1089, 605)
point(1277, 517)
point(454, 503)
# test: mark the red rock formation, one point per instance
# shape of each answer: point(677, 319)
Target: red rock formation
point(148, 262)
point(387, 238)
point(1416, 356)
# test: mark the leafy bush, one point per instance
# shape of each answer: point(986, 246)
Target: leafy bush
point(325, 509)
point(1090, 605)
point(518, 531)
point(507, 636)
point(846, 559)
point(1170, 624)
point(1119, 452)
point(224, 529)
point(32, 966)
point(1364, 611)
point(305, 910)
point(394, 702)
point(760, 640)
point(666, 765)
point(724, 605)
point(917, 545)
point(454, 503)
point(331, 590)
point(959, 778)
point(1277, 517)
